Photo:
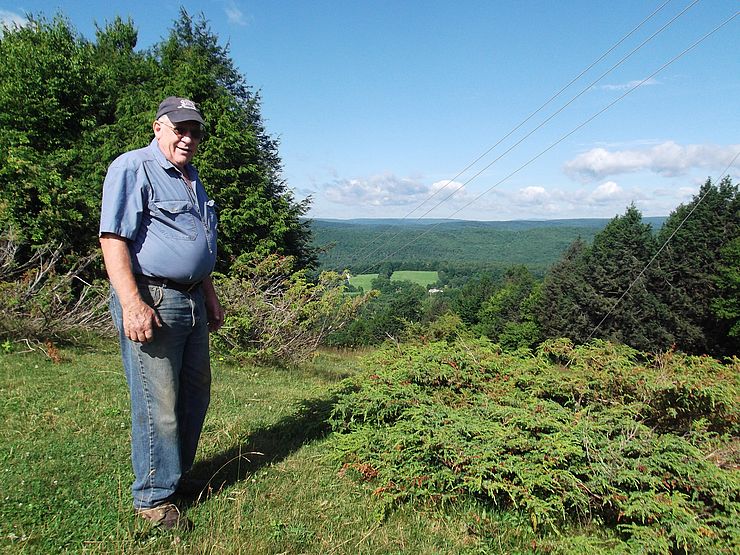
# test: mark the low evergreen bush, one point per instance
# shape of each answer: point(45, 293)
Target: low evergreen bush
point(642, 448)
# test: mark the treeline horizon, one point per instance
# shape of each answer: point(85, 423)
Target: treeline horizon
point(454, 247)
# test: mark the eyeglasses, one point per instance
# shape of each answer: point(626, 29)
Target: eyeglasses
point(195, 132)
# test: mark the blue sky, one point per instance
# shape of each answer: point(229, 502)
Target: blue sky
point(378, 105)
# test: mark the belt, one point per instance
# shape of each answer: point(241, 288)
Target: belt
point(167, 283)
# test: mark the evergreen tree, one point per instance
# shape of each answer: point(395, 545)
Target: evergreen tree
point(566, 295)
point(507, 310)
point(726, 306)
point(619, 254)
point(46, 105)
point(468, 299)
point(689, 267)
point(68, 107)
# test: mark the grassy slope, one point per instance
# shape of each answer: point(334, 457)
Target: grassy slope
point(363, 281)
point(422, 277)
point(65, 470)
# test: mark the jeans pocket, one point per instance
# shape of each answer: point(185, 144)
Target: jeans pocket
point(151, 294)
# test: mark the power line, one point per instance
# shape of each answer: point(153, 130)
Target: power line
point(548, 119)
point(530, 116)
point(561, 139)
point(547, 102)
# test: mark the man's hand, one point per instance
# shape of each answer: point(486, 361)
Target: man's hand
point(139, 321)
point(214, 310)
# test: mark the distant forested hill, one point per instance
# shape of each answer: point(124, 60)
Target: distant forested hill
point(365, 245)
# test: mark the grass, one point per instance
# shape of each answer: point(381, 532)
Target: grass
point(363, 281)
point(65, 470)
point(423, 278)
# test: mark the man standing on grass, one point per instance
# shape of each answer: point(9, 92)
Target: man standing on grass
point(158, 236)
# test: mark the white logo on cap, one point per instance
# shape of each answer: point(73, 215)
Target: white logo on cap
point(187, 104)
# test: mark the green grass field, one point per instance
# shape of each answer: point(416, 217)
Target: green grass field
point(363, 281)
point(276, 486)
point(423, 278)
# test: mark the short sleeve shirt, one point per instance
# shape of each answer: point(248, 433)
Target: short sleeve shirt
point(171, 226)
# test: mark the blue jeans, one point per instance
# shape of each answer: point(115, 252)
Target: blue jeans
point(170, 382)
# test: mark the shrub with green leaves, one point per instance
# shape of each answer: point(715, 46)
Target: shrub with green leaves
point(643, 448)
point(274, 312)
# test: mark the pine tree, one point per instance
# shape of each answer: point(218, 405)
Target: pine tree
point(726, 306)
point(615, 261)
point(505, 317)
point(69, 106)
point(691, 262)
point(566, 296)
point(46, 105)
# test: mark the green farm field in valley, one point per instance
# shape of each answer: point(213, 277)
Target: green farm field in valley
point(423, 278)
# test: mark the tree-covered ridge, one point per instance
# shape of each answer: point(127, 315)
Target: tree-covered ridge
point(69, 106)
point(379, 245)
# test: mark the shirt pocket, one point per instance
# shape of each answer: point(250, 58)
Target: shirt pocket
point(176, 219)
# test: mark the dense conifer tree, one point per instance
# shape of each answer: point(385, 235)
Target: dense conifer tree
point(726, 306)
point(46, 104)
point(689, 266)
point(566, 297)
point(615, 261)
point(69, 106)
point(507, 316)
point(468, 299)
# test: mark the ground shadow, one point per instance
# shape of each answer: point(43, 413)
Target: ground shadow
point(263, 447)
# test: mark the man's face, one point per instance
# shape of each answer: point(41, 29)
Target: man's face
point(177, 141)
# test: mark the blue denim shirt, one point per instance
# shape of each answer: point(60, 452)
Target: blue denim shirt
point(171, 229)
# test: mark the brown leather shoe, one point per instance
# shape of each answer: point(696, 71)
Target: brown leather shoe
point(166, 516)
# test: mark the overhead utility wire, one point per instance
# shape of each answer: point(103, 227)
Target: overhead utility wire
point(561, 139)
point(542, 107)
point(549, 118)
point(665, 244)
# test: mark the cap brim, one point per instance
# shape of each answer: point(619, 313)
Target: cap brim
point(178, 116)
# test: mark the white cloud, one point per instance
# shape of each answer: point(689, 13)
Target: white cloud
point(378, 195)
point(630, 84)
point(667, 159)
point(533, 195)
point(11, 19)
point(606, 193)
point(379, 190)
point(389, 196)
point(234, 14)
point(447, 188)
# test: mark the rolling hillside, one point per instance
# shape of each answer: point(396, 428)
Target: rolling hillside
point(365, 245)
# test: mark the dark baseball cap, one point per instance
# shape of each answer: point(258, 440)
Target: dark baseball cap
point(179, 109)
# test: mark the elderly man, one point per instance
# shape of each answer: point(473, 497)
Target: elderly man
point(158, 236)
